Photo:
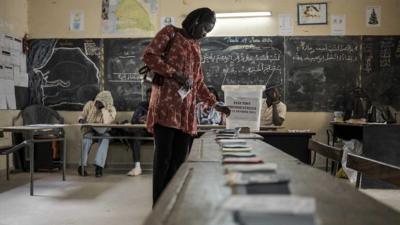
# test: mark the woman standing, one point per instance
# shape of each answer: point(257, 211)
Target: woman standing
point(175, 55)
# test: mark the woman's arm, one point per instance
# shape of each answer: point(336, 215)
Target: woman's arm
point(154, 52)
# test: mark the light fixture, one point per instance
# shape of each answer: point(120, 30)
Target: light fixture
point(244, 14)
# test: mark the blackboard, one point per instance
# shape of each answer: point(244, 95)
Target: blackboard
point(381, 69)
point(243, 60)
point(320, 71)
point(63, 74)
point(314, 73)
point(121, 65)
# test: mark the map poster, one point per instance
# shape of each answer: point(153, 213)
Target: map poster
point(127, 16)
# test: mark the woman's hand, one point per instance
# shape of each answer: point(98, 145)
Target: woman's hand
point(223, 109)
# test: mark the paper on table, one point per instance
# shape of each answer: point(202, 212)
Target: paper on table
point(271, 204)
point(237, 178)
point(266, 167)
point(238, 154)
point(247, 149)
point(236, 145)
point(221, 141)
point(242, 160)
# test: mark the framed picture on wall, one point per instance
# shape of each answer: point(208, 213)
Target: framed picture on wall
point(312, 13)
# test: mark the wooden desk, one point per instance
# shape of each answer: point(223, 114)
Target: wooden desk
point(29, 132)
point(293, 143)
point(195, 194)
point(381, 142)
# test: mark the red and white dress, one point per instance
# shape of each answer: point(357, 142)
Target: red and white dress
point(166, 106)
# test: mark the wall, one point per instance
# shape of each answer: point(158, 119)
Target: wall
point(13, 21)
point(50, 19)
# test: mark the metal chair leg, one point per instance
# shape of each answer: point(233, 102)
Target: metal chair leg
point(7, 167)
point(358, 180)
point(314, 158)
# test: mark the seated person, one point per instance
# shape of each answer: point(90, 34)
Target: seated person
point(138, 117)
point(273, 111)
point(101, 110)
point(207, 114)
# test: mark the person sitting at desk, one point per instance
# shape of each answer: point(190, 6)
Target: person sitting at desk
point(273, 110)
point(101, 110)
point(207, 114)
point(138, 117)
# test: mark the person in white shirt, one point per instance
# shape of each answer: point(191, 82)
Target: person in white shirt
point(273, 109)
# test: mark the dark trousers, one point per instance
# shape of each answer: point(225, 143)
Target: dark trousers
point(135, 144)
point(171, 149)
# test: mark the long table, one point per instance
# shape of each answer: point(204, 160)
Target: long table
point(29, 132)
point(196, 192)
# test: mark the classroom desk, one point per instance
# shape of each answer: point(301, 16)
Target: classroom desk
point(109, 126)
point(295, 143)
point(29, 133)
point(347, 131)
point(381, 142)
point(196, 192)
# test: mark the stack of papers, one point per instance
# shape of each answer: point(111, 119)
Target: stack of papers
point(236, 147)
point(271, 209)
point(242, 160)
point(238, 154)
point(266, 167)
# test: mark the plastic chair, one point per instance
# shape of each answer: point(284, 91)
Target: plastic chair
point(40, 114)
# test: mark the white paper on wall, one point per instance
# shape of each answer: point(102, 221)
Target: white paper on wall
point(21, 80)
point(77, 20)
point(373, 16)
point(6, 56)
point(17, 44)
point(167, 20)
point(7, 73)
point(338, 25)
point(7, 94)
point(22, 64)
point(285, 25)
point(8, 42)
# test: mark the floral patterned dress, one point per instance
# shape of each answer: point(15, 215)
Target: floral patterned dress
point(166, 107)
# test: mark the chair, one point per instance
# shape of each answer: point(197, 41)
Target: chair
point(40, 114)
point(374, 169)
point(330, 152)
point(7, 150)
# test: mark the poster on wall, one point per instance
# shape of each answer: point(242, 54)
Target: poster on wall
point(77, 20)
point(285, 25)
point(373, 16)
point(127, 16)
point(167, 20)
point(338, 25)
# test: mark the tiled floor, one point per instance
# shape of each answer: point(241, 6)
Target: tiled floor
point(112, 199)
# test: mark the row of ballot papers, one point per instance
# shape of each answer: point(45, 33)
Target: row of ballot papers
point(260, 194)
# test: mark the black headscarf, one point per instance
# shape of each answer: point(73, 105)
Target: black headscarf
point(196, 17)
